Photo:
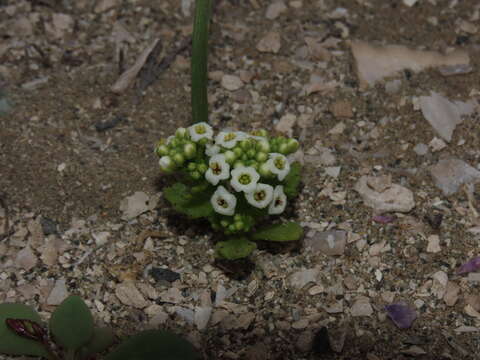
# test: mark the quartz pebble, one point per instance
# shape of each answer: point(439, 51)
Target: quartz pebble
point(231, 82)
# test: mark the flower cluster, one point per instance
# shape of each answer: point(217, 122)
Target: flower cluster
point(243, 170)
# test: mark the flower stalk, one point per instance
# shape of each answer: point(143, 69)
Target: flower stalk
point(199, 60)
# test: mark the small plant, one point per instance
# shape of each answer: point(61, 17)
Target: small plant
point(233, 179)
point(71, 335)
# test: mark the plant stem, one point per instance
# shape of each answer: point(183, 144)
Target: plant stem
point(199, 60)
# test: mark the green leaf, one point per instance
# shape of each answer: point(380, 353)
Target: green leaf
point(154, 344)
point(101, 340)
point(292, 180)
point(235, 248)
point(72, 323)
point(290, 231)
point(13, 344)
point(194, 205)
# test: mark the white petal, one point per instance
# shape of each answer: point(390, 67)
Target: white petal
point(212, 150)
point(219, 169)
point(261, 196)
point(247, 172)
point(229, 139)
point(279, 201)
point(280, 172)
point(200, 130)
point(223, 202)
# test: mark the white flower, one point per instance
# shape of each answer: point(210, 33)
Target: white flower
point(211, 150)
point(166, 163)
point(223, 202)
point(200, 130)
point(261, 196)
point(279, 165)
point(244, 179)
point(229, 139)
point(169, 139)
point(279, 201)
point(218, 169)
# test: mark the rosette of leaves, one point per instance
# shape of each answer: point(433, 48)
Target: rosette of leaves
point(72, 335)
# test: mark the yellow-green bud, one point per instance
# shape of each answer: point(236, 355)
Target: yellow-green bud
point(224, 223)
point(245, 144)
point(251, 153)
point(264, 170)
point(232, 227)
point(179, 159)
point(237, 164)
point(293, 145)
point(283, 148)
point(261, 157)
point(191, 166)
point(230, 156)
point(259, 132)
point(237, 151)
point(190, 149)
point(238, 225)
point(202, 168)
point(195, 175)
point(181, 133)
point(263, 146)
point(162, 150)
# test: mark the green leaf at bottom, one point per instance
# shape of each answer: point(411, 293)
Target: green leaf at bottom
point(290, 231)
point(154, 344)
point(13, 344)
point(235, 248)
point(72, 323)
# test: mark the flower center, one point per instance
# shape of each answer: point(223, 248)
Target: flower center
point(244, 179)
point(278, 202)
point(279, 163)
point(221, 202)
point(216, 168)
point(200, 129)
point(229, 137)
point(260, 195)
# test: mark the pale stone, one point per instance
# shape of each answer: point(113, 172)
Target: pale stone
point(450, 174)
point(286, 123)
point(395, 198)
point(58, 293)
point(26, 259)
point(439, 285)
point(451, 293)
point(202, 316)
point(133, 206)
point(361, 307)
point(301, 278)
point(105, 5)
point(330, 243)
point(270, 43)
point(231, 82)
point(433, 244)
point(275, 9)
point(128, 294)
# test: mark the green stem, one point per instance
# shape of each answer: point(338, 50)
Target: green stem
point(199, 60)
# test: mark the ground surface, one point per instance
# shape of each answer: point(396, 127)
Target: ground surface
point(58, 168)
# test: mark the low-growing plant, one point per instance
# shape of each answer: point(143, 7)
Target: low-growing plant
point(72, 335)
point(234, 180)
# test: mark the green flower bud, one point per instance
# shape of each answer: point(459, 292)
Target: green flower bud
point(293, 145)
point(232, 228)
point(261, 157)
point(237, 217)
point(224, 223)
point(195, 175)
point(237, 151)
point(166, 164)
point(251, 153)
point(230, 156)
point(191, 166)
point(263, 146)
point(179, 159)
point(181, 133)
point(245, 144)
point(162, 150)
point(202, 168)
point(203, 141)
point(283, 148)
point(190, 150)
point(264, 170)
point(175, 142)
point(238, 225)
point(244, 157)
point(238, 163)
point(259, 132)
